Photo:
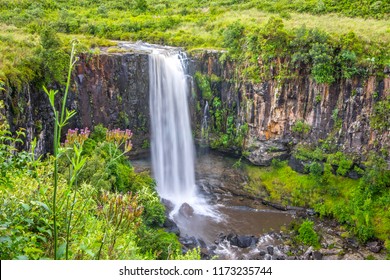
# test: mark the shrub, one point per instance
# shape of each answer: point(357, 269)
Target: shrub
point(301, 128)
point(322, 69)
point(307, 234)
point(380, 119)
point(159, 244)
point(340, 160)
point(232, 38)
point(204, 85)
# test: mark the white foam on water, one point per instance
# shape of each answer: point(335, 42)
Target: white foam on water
point(172, 146)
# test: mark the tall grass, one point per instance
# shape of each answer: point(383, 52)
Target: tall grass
point(61, 118)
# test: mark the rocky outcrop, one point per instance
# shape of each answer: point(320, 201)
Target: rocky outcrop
point(339, 112)
point(113, 89)
point(108, 89)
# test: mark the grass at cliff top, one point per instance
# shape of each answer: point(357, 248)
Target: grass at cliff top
point(189, 24)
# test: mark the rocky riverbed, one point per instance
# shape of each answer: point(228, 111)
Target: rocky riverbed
point(249, 227)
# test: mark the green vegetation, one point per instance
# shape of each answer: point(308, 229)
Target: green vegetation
point(380, 119)
point(361, 205)
point(83, 202)
point(66, 206)
point(108, 220)
point(300, 128)
point(307, 234)
point(61, 119)
point(334, 39)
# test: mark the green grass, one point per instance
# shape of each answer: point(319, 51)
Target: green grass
point(288, 187)
point(366, 215)
point(189, 24)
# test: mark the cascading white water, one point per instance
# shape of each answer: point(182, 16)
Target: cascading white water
point(172, 144)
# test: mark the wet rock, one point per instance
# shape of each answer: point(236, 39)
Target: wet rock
point(331, 240)
point(186, 210)
point(245, 241)
point(308, 254)
point(351, 242)
point(233, 239)
point(262, 253)
point(310, 212)
point(353, 256)
point(221, 238)
point(169, 206)
point(275, 205)
point(329, 252)
point(171, 226)
point(270, 250)
point(242, 241)
point(263, 152)
point(298, 165)
point(374, 246)
point(206, 253)
point(317, 255)
point(188, 241)
point(191, 242)
point(212, 248)
point(201, 243)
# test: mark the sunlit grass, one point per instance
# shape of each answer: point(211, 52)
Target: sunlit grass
point(367, 29)
point(289, 187)
point(179, 23)
point(333, 198)
point(15, 46)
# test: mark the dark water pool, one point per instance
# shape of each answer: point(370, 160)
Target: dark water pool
point(215, 177)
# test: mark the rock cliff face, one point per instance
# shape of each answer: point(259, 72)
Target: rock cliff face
point(338, 113)
point(109, 89)
point(113, 89)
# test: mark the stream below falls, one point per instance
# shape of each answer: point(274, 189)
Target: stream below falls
point(240, 227)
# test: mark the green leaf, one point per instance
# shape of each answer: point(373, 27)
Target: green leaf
point(42, 238)
point(80, 164)
point(51, 94)
point(61, 251)
point(77, 151)
point(43, 230)
point(69, 114)
point(42, 205)
point(26, 207)
point(5, 239)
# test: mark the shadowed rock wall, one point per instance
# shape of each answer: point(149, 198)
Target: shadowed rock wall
point(339, 112)
point(113, 89)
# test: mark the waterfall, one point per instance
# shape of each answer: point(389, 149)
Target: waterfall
point(172, 144)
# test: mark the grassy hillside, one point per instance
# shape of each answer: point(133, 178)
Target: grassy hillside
point(189, 24)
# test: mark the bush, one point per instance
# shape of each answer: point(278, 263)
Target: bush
point(343, 163)
point(158, 244)
point(232, 38)
point(322, 59)
point(307, 234)
point(300, 128)
point(380, 119)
